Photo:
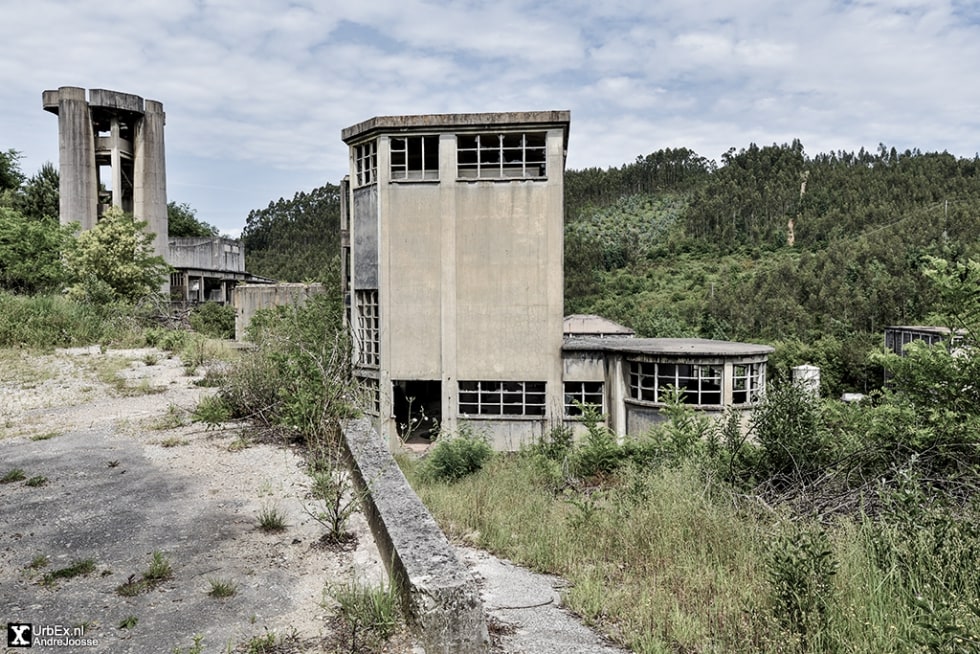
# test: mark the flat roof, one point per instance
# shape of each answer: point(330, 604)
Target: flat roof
point(668, 346)
point(445, 122)
point(579, 324)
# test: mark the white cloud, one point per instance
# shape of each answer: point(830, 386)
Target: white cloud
point(257, 91)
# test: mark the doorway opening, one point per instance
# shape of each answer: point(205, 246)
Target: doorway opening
point(418, 409)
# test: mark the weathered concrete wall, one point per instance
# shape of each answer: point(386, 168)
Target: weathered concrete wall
point(509, 434)
point(439, 595)
point(150, 178)
point(76, 155)
point(205, 253)
point(249, 298)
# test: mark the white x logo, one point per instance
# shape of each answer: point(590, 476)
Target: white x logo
point(19, 630)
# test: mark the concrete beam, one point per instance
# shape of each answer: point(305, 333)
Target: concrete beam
point(439, 595)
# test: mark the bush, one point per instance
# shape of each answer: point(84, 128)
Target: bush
point(213, 319)
point(298, 378)
point(456, 457)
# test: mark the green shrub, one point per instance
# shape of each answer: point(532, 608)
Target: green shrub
point(455, 457)
point(367, 610)
point(298, 378)
point(214, 320)
point(801, 567)
point(598, 454)
point(212, 410)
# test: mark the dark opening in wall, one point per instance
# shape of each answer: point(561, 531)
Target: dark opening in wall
point(418, 408)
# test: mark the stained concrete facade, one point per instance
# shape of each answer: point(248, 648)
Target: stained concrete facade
point(111, 154)
point(454, 246)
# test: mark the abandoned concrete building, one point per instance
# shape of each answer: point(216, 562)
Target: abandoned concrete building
point(111, 154)
point(898, 336)
point(452, 246)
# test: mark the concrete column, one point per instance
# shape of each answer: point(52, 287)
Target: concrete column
point(150, 175)
point(78, 185)
point(115, 160)
point(447, 280)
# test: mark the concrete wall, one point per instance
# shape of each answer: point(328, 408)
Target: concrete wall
point(150, 178)
point(439, 595)
point(206, 253)
point(470, 279)
point(78, 186)
point(249, 298)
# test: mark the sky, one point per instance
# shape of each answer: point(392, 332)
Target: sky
point(256, 92)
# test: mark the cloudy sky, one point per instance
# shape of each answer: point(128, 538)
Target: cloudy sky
point(257, 91)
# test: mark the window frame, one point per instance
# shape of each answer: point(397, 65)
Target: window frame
point(501, 399)
point(367, 330)
point(702, 383)
point(749, 385)
point(366, 162)
point(413, 158)
point(505, 156)
point(576, 393)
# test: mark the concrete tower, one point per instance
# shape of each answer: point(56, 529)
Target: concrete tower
point(111, 154)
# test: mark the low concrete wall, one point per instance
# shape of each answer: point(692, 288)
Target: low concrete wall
point(249, 298)
point(438, 593)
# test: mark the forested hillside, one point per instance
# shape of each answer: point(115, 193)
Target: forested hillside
point(296, 240)
point(815, 254)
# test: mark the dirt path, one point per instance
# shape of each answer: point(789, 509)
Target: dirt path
point(114, 471)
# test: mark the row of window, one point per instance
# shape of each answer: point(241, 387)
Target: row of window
point(478, 156)
point(698, 383)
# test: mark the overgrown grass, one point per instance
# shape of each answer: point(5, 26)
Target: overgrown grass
point(158, 571)
point(272, 519)
point(47, 321)
point(76, 569)
point(221, 588)
point(370, 614)
point(666, 559)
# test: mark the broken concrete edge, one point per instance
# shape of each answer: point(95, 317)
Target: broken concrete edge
point(440, 597)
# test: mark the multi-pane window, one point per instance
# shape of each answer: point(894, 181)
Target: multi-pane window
point(366, 162)
point(367, 329)
point(502, 398)
point(578, 394)
point(518, 155)
point(748, 382)
point(371, 392)
point(414, 157)
point(700, 383)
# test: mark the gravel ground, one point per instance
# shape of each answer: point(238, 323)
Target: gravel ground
point(126, 474)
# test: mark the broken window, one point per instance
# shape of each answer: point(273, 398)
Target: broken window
point(748, 382)
point(366, 162)
point(367, 328)
point(501, 398)
point(501, 156)
point(700, 383)
point(371, 394)
point(414, 157)
point(578, 394)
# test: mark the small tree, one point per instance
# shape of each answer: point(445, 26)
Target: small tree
point(115, 260)
point(30, 253)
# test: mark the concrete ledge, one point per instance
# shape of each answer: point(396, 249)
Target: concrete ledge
point(439, 595)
